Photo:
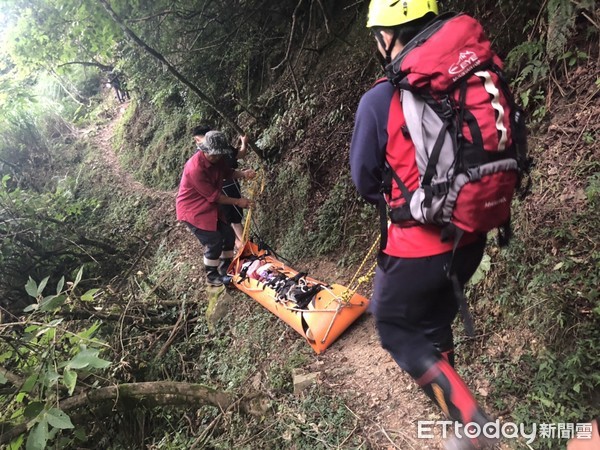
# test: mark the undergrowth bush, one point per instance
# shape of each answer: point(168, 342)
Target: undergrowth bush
point(287, 127)
point(284, 226)
point(313, 421)
point(157, 145)
point(331, 217)
point(300, 226)
point(540, 297)
point(249, 351)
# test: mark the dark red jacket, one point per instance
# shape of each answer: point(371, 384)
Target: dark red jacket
point(199, 191)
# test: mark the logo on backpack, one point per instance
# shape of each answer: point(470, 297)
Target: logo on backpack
point(471, 155)
point(466, 61)
point(491, 204)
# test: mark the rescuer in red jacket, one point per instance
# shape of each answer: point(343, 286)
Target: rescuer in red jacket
point(414, 303)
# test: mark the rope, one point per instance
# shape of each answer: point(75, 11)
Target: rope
point(255, 191)
point(356, 281)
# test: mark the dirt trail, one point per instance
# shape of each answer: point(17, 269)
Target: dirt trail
point(103, 141)
point(385, 401)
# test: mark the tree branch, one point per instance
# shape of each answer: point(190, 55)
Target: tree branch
point(161, 59)
point(291, 37)
point(83, 314)
point(324, 16)
point(151, 394)
point(86, 63)
point(13, 379)
point(166, 12)
point(13, 166)
point(76, 96)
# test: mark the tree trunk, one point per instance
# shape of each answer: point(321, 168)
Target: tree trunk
point(151, 394)
point(82, 314)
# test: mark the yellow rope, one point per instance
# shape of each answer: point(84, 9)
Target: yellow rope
point(246, 232)
point(255, 191)
point(364, 261)
point(350, 291)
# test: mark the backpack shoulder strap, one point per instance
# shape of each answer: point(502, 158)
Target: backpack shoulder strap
point(427, 126)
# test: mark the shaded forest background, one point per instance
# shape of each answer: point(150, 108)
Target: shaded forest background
point(93, 296)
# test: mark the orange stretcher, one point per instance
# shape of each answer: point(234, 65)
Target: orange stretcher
point(318, 311)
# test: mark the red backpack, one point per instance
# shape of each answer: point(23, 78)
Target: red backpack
point(469, 135)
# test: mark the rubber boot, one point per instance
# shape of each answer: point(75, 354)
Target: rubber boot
point(445, 387)
point(224, 265)
point(213, 278)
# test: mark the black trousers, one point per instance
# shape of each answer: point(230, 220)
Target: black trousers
point(414, 304)
point(216, 242)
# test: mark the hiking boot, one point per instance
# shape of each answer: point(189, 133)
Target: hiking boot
point(223, 266)
point(218, 280)
point(214, 281)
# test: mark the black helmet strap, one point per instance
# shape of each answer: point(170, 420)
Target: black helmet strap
point(387, 48)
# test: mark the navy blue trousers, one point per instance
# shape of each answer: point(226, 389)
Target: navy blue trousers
point(414, 304)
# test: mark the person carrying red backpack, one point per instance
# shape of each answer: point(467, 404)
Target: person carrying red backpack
point(415, 300)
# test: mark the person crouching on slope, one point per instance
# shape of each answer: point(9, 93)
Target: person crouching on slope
point(413, 302)
point(198, 200)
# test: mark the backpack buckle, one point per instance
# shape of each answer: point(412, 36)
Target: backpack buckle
point(385, 187)
point(474, 174)
point(401, 214)
point(447, 109)
point(440, 188)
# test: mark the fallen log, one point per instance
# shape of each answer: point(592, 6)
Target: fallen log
point(151, 394)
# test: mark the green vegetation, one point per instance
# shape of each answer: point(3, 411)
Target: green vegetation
point(551, 296)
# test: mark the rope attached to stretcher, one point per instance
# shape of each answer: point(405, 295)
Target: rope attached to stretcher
point(256, 189)
point(357, 280)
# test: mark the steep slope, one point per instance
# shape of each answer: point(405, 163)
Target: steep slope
point(530, 301)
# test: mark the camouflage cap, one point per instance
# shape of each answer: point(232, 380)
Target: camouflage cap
point(215, 143)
